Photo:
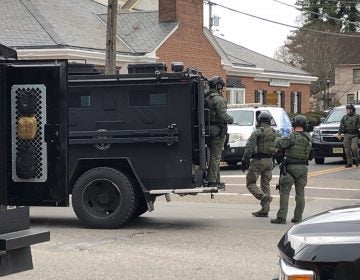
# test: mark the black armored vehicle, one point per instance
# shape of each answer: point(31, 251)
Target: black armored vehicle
point(114, 143)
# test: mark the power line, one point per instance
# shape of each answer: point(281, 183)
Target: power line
point(340, 2)
point(315, 13)
point(280, 23)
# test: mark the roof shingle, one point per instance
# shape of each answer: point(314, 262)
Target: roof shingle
point(142, 31)
point(54, 23)
point(240, 56)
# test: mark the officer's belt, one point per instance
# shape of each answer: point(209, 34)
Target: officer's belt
point(298, 162)
point(262, 155)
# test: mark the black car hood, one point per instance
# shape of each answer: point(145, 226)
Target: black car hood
point(332, 236)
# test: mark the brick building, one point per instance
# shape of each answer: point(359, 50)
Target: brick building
point(251, 77)
point(173, 32)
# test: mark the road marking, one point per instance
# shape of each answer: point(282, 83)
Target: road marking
point(313, 188)
point(310, 174)
point(326, 171)
point(291, 196)
point(242, 176)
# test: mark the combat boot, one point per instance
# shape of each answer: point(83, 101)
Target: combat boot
point(261, 213)
point(278, 220)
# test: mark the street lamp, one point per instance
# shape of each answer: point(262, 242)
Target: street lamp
point(328, 90)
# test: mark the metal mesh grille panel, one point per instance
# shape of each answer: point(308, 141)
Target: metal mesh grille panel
point(38, 143)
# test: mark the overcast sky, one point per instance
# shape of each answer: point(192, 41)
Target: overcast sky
point(254, 34)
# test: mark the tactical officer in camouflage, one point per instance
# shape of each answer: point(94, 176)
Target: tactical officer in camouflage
point(349, 126)
point(218, 128)
point(294, 169)
point(260, 147)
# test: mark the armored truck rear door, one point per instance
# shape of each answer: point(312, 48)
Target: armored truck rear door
point(34, 133)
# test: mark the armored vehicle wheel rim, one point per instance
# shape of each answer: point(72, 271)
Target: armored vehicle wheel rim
point(101, 198)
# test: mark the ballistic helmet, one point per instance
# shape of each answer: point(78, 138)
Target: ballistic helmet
point(264, 117)
point(350, 106)
point(300, 121)
point(216, 82)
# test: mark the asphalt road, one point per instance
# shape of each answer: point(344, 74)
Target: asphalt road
point(326, 181)
point(192, 237)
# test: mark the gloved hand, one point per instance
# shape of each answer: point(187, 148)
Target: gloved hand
point(244, 165)
point(339, 136)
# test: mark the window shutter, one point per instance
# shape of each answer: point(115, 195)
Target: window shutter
point(264, 97)
point(282, 99)
point(299, 102)
point(292, 102)
point(257, 96)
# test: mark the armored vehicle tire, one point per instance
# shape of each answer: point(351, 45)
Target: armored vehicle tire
point(103, 198)
point(319, 160)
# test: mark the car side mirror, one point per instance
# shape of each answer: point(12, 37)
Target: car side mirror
point(322, 119)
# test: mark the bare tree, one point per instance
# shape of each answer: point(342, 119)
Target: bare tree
point(318, 54)
point(282, 54)
point(110, 59)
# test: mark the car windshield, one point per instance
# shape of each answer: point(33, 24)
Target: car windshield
point(242, 117)
point(335, 115)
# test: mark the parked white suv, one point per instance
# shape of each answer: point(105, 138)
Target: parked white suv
point(245, 123)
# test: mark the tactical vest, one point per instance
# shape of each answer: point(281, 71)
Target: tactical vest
point(209, 103)
point(300, 147)
point(266, 140)
point(351, 123)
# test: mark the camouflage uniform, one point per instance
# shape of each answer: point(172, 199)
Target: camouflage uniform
point(260, 147)
point(349, 125)
point(218, 128)
point(297, 149)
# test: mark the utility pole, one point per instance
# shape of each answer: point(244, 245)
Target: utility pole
point(210, 16)
point(110, 58)
point(328, 92)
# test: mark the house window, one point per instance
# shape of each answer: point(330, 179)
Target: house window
point(260, 96)
point(236, 95)
point(350, 98)
point(295, 104)
point(356, 76)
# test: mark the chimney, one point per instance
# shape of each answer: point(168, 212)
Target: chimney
point(188, 12)
point(167, 10)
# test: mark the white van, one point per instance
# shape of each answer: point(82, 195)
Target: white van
point(245, 123)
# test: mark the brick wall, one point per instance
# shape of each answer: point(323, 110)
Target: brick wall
point(188, 44)
point(251, 86)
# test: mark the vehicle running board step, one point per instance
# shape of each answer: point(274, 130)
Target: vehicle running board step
point(186, 191)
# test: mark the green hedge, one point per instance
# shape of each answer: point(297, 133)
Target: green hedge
point(313, 118)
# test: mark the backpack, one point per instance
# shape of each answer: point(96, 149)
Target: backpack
point(25, 161)
point(26, 128)
point(27, 102)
